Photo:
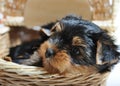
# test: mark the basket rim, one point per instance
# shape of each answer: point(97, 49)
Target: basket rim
point(40, 77)
point(21, 69)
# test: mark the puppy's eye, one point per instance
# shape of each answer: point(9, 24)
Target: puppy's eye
point(75, 51)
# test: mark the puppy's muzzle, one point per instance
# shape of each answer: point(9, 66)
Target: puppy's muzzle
point(49, 53)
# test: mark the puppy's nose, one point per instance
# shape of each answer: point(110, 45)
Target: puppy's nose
point(49, 53)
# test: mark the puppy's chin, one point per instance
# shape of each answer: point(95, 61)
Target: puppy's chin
point(62, 64)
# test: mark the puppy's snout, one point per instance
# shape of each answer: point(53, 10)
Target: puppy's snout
point(49, 53)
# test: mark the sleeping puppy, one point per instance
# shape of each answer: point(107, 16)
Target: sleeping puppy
point(76, 46)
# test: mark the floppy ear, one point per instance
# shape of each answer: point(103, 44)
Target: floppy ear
point(57, 27)
point(46, 32)
point(99, 53)
point(106, 52)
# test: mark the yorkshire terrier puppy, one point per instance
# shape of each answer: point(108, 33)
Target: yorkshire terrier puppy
point(77, 46)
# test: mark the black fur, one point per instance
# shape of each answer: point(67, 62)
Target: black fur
point(91, 34)
point(26, 49)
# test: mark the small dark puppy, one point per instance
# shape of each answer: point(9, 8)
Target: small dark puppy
point(77, 46)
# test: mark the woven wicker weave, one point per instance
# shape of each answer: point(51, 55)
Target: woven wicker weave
point(12, 74)
point(4, 44)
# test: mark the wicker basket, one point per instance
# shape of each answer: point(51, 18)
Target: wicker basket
point(12, 74)
point(4, 42)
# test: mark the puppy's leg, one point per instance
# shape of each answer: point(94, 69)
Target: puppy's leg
point(34, 60)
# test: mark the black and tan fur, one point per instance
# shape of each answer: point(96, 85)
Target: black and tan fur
point(76, 45)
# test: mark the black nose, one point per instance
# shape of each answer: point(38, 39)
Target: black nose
point(49, 53)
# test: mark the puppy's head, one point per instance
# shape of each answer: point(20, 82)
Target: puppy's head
point(76, 45)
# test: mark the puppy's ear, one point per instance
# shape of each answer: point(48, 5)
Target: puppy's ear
point(57, 27)
point(46, 29)
point(99, 53)
point(46, 32)
point(106, 52)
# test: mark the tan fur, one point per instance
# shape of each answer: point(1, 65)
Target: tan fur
point(61, 63)
point(57, 27)
point(7, 58)
point(77, 41)
point(99, 54)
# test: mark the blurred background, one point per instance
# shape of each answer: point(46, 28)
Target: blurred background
point(21, 19)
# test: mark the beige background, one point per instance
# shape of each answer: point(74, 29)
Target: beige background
point(38, 12)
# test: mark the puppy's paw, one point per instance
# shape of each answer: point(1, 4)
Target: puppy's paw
point(34, 60)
